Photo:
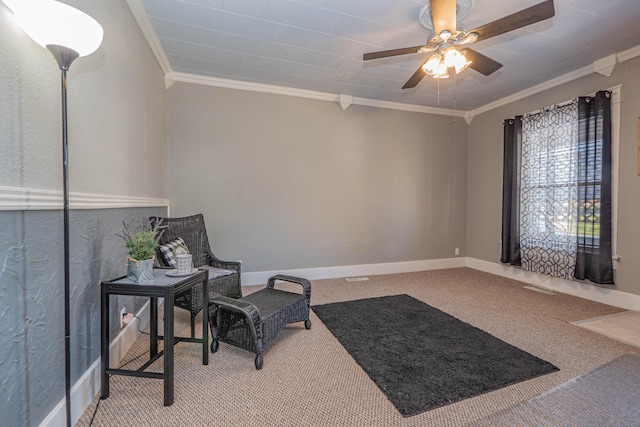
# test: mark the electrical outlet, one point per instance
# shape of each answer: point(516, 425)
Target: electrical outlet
point(457, 251)
point(123, 313)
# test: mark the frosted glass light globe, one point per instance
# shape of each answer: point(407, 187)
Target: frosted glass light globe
point(49, 22)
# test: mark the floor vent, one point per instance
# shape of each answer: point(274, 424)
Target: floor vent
point(357, 279)
point(541, 290)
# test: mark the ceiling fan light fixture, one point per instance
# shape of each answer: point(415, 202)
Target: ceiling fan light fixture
point(436, 68)
point(442, 72)
point(453, 58)
point(461, 63)
point(438, 65)
point(432, 64)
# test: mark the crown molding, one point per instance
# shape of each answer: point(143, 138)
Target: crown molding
point(605, 65)
point(596, 66)
point(628, 54)
point(303, 93)
point(250, 86)
point(584, 71)
point(26, 199)
point(140, 15)
point(468, 115)
point(407, 107)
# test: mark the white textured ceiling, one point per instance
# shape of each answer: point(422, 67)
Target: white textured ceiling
point(318, 45)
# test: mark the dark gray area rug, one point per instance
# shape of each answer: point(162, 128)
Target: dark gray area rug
point(422, 358)
point(606, 396)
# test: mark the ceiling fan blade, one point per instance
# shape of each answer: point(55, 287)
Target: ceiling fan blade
point(443, 15)
point(393, 52)
point(480, 63)
point(528, 16)
point(415, 79)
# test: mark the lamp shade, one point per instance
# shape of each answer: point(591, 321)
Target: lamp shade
point(49, 22)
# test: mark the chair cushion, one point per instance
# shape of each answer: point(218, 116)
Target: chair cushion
point(168, 251)
point(215, 272)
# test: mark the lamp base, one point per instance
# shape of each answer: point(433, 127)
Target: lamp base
point(63, 55)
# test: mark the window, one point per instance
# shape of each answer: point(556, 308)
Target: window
point(557, 194)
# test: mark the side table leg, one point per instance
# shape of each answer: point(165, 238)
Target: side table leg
point(168, 347)
point(104, 342)
point(205, 320)
point(153, 327)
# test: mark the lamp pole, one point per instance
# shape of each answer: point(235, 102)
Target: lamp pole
point(67, 33)
point(65, 56)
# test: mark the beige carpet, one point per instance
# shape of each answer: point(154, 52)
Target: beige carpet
point(308, 379)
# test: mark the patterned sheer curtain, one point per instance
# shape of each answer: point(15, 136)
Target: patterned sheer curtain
point(556, 209)
point(549, 191)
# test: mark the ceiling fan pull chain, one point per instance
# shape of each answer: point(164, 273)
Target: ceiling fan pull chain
point(455, 107)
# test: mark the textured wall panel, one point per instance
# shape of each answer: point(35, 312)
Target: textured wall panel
point(32, 302)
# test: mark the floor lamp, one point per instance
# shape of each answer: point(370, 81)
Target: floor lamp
point(68, 34)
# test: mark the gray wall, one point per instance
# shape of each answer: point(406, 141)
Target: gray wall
point(116, 110)
point(289, 183)
point(117, 138)
point(485, 169)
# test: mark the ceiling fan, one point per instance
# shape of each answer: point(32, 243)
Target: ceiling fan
point(450, 43)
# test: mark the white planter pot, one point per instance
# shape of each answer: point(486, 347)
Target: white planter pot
point(140, 271)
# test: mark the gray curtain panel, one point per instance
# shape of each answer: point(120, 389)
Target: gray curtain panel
point(511, 191)
point(594, 260)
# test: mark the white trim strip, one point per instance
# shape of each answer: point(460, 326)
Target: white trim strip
point(324, 96)
point(585, 71)
point(616, 117)
point(579, 289)
point(146, 26)
point(261, 277)
point(302, 93)
point(628, 54)
point(582, 290)
point(407, 107)
point(25, 199)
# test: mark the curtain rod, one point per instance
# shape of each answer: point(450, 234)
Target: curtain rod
point(563, 103)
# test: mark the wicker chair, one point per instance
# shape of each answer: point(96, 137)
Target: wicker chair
point(252, 322)
point(192, 230)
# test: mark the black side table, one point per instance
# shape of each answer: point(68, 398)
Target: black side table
point(165, 287)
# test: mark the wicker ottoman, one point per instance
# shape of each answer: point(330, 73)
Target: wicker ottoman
point(253, 322)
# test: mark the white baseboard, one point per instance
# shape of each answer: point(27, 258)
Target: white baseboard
point(261, 277)
point(88, 385)
point(582, 290)
point(571, 287)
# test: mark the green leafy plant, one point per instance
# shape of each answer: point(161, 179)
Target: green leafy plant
point(141, 239)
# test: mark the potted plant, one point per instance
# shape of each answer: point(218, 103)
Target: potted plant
point(141, 241)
